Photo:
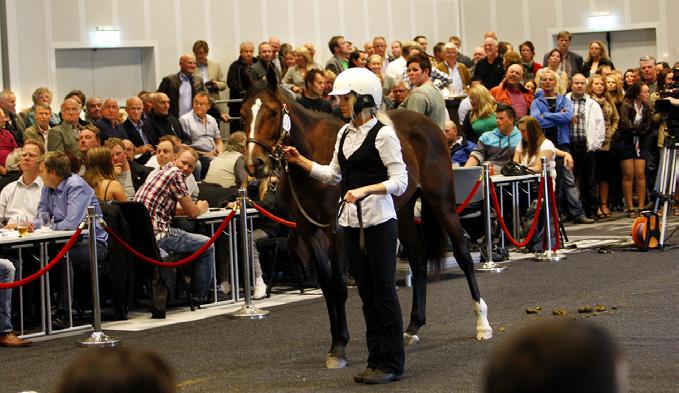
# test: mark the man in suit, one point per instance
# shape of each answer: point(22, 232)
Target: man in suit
point(66, 136)
point(138, 131)
point(15, 124)
point(263, 61)
point(571, 62)
point(275, 43)
point(182, 86)
point(233, 80)
point(109, 124)
point(457, 71)
point(341, 50)
point(209, 70)
point(163, 122)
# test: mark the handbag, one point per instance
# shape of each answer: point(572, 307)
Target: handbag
point(512, 168)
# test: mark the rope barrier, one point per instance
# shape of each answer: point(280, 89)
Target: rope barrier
point(555, 214)
point(469, 197)
point(270, 216)
point(533, 225)
point(41, 272)
point(180, 262)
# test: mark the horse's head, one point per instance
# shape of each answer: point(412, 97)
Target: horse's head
point(263, 112)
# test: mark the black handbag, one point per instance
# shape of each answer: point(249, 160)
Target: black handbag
point(512, 168)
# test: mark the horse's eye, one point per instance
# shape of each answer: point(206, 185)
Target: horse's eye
point(274, 113)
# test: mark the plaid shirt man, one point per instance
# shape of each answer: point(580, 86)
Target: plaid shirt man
point(160, 194)
point(578, 134)
point(438, 78)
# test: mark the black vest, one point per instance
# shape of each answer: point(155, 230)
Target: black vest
point(364, 167)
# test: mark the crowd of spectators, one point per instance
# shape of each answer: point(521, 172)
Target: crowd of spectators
point(596, 124)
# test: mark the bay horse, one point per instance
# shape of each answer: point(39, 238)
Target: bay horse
point(272, 119)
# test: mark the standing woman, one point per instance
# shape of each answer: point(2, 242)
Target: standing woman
point(635, 123)
point(604, 159)
point(554, 63)
point(294, 76)
point(368, 164)
point(597, 58)
point(631, 76)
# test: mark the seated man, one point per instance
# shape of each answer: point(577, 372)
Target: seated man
point(21, 197)
point(160, 194)
point(138, 171)
point(65, 197)
point(139, 132)
point(203, 131)
point(228, 169)
point(460, 148)
point(166, 152)
point(498, 145)
point(39, 130)
point(7, 336)
point(108, 124)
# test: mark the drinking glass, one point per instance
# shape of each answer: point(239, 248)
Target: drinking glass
point(45, 222)
point(22, 225)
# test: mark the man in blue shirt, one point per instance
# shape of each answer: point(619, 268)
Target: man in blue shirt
point(66, 196)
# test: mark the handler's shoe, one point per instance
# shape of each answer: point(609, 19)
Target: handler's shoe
point(360, 378)
point(260, 289)
point(379, 377)
point(10, 339)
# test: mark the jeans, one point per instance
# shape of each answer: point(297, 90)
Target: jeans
point(79, 255)
point(566, 190)
point(178, 241)
point(7, 270)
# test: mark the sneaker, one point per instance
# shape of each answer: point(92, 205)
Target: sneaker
point(260, 289)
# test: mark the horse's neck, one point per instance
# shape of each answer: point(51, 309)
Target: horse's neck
point(310, 135)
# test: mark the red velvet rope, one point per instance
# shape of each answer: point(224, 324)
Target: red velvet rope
point(41, 272)
point(180, 262)
point(469, 197)
point(270, 216)
point(555, 214)
point(533, 224)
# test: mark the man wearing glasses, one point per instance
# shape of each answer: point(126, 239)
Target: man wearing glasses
point(203, 131)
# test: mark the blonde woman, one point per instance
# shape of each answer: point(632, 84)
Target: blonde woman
point(554, 63)
point(375, 63)
point(481, 118)
point(294, 77)
point(604, 167)
point(100, 175)
point(597, 58)
point(614, 89)
point(41, 95)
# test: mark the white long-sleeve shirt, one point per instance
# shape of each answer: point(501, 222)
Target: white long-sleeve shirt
point(376, 208)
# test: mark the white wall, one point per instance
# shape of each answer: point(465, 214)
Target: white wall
point(36, 27)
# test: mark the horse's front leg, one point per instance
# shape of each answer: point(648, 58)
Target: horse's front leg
point(334, 288)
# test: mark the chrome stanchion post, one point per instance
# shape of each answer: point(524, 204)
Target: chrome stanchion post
point(248, 311)
point(97, 338)
point(489, 265)
point(548, 255)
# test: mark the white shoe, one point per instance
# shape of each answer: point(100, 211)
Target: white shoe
point(225, 286)
point(260, 289)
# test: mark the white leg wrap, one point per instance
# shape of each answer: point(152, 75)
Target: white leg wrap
point(483, 329)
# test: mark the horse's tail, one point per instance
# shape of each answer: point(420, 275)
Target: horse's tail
point(435, 236)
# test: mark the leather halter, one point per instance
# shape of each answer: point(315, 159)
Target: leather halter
point(275, 152)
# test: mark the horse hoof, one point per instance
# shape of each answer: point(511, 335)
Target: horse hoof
point(335, 362)
point(484, 334)
point(483, 329)
point(410, 339)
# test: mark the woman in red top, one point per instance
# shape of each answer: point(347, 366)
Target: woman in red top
point(7, 142)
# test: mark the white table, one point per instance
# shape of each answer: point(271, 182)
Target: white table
point(11, 240)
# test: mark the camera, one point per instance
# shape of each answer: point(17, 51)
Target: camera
point(667, 107)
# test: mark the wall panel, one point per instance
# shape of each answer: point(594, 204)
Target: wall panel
point(131, 20)
point(192, 17)
point(574, 12)
point(477, 22)
point(379, 20)
point(447, 17)
point(509, 27)
point(403, 29)
point(65, 14)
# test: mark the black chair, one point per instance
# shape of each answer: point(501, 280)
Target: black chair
point(162, 280)
point(471, 216)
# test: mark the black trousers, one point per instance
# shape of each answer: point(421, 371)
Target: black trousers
point(375, 277)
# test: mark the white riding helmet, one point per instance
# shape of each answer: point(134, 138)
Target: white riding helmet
point(359, 80)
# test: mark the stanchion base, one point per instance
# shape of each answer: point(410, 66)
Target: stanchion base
point(249, 312)
point(549, 256)
point(98, 340)
point(491, 267)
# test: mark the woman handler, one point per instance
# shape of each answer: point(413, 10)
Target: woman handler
point(368, 164)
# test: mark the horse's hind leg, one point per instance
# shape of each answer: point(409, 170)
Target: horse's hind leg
point(453, 227)
point(334, 290)
point(410, 238)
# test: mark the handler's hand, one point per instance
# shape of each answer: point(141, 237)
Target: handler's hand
point(291, 154)
point(353, 195)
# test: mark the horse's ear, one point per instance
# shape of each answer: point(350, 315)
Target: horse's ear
point(271, 77)
point(245, 80)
